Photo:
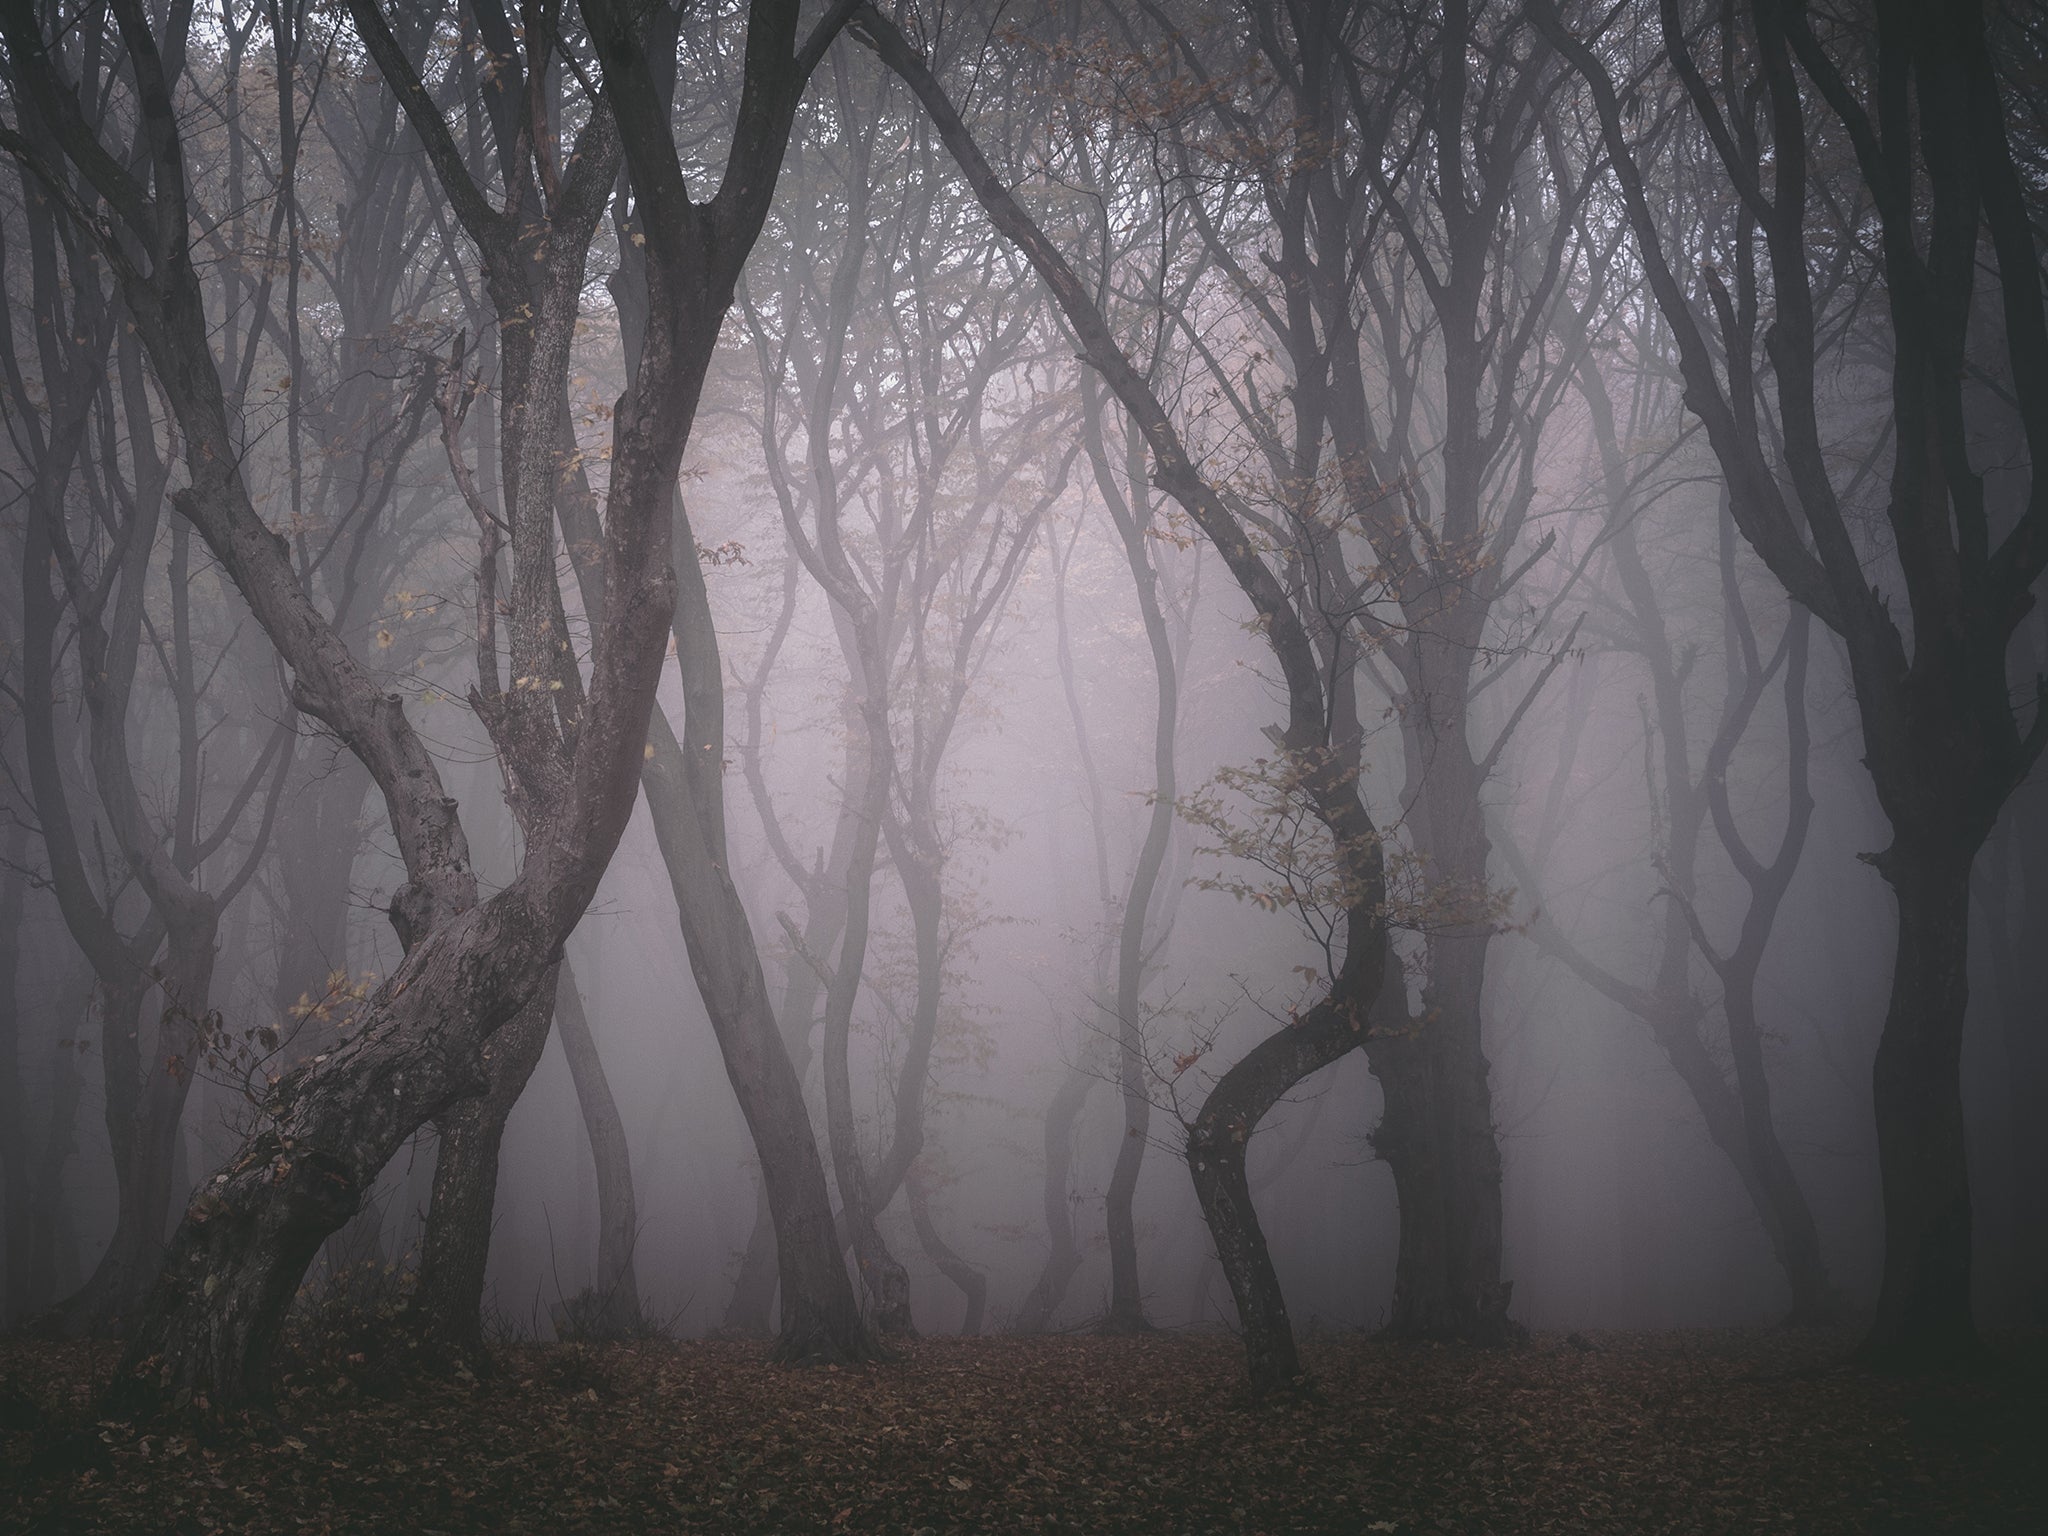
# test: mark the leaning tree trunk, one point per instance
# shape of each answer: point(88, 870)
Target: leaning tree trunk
point(684, 784)
point(614, 1299)
point(1216, 1159)
point(1923, 1307)
point(972, 1282)
point(446, 1309)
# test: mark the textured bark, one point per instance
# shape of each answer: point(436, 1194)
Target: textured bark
point(248, 1236)
point(613, 1307)
point(446, 1308)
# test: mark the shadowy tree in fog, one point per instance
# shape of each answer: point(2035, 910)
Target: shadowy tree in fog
point(1910, 97)
point(573, 753)
point(906, 359)
point(1320, 769)
point(95, 523)
point(1403, 188)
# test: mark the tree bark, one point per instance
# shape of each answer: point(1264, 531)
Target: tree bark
point(446, 1308)
point(613, 1306)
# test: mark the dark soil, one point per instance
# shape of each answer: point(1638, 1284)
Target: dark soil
point(1708, 1432)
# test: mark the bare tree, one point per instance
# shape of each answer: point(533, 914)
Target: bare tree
point(1912, 98)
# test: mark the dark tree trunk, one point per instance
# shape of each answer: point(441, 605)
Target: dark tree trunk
point(684, 784)
point(1437, 1137)
point(1923, 1308)
point(1437, 1133)
point(1782, 1203)
point(1216, 1159)
point(613, 1303)
point(52, 1240)
point(151, 1103)
point(446, 1308)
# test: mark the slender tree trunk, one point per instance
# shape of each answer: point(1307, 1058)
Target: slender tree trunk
point(972, 1282)
point(455, 1249)
point(752, 1304)
point(145, 1106)
point(1923, 1308)
point(1042, 1303)
point(1794, 1237)
point(1126, 1301)
point(614, 1310)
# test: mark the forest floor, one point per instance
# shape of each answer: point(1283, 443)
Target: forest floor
point(1614, 1432)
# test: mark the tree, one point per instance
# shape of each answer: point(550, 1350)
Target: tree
point(213, 1316)
point(1912, 98)
point(1322, 772)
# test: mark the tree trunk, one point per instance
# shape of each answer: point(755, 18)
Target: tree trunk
point(1923, 1309)
point(1216, 1159)
point(613, 1309)
point(1042, 1303)
point(1437, 1136)
point(1780, 1200)
point(145, 1107)
point(820, 1320)
point(972, 1282)
point(446, 1308)
point(1437, 1133)
point(52, 1240)
point(1126, 1302)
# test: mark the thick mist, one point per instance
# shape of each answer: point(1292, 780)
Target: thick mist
point(741, 673)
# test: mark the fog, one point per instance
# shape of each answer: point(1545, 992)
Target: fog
point(1556, 753)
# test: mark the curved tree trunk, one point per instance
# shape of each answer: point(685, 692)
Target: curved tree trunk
point(1042, 1303)
point(612, 1309)
point(972, 1282)
point(1216, 1159)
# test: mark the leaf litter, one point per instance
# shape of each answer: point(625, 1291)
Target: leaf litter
point(1726, 1431)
